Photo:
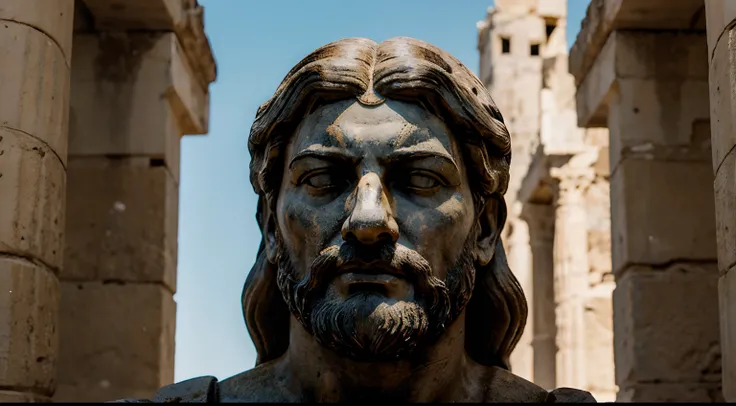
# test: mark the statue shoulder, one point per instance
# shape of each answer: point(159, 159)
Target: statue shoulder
point(570, 395)
point(203, 389)
point(503, 386)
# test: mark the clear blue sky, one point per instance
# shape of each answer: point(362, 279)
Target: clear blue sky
point(255, 44)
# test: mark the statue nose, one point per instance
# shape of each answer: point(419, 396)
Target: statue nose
point(370, 220)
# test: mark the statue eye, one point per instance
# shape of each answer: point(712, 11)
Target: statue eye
point(422, 180)
point(322, 181)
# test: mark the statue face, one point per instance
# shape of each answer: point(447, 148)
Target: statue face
point(375, 228)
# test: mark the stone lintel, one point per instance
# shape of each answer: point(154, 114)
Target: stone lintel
point(605, 16)
point(672, 64)
point(184, 17)
point(137, 104)
point(538, 187)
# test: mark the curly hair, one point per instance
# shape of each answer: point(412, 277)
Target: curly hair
point(413, 71)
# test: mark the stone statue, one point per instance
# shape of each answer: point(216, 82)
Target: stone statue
point(380, 171)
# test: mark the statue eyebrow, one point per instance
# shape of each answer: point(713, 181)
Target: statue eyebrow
point(414, 155)
point(325, 154)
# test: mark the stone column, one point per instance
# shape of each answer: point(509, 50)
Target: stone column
point(541, 220)
point(35, 51)
point(570, 274)
point(134, 94)
point(651, 88)
point(519, 259)
point(721, 22)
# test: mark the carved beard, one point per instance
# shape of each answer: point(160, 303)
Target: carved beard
point(365, 326)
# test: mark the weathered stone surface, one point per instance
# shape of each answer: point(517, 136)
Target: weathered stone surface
point(671, 64)
point(599, 340)
point(22, 397)
point(122, 222)
point(659, 121)
point(117, 341)
point(55, 19)
point(29, 300)
point(649, 213)
point(727, 312)
point(32, 186)
point(723, 97)
point(185, 17)
point(603, 16)
point(719, 14)
point(128, 90)
point(35, 87)
point(671, 392)
point(666, 326)
point(725, 201)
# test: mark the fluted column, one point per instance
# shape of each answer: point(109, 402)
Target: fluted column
point(35, 50)
point(520, 261)
point(570, 274)
point(541, 221)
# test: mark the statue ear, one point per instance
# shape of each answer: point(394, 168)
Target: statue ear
point(268, 230)
point(491, 218)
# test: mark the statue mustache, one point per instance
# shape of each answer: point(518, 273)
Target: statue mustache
point(396, 259)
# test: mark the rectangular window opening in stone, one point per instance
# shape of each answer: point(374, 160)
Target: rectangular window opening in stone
point(550, 26)
point(534, 49)
point(505, 45)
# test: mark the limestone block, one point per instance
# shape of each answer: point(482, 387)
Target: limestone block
point(35, 86)
point(723, 100)
point(128, 89)
point(185, 17)
point(671, 392)
point(666, 325)
point(552, 8)
point(117, 341)
point(727, 307)
point(32, 187)
point(122, 222)
point(652, 221)
point(725, 200)
point(599, 343)
point(672, 58)
point(718, 14)
point(29, 301)
point(603, 16)
point(659, 120)
point(22, 397)
point(55, 19)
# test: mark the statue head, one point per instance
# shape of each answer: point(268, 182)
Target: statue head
point(381, 170)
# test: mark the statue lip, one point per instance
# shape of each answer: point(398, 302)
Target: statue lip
point(373, 269)
point(377, 276)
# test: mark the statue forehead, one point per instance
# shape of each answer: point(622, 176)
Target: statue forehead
point(394, 124)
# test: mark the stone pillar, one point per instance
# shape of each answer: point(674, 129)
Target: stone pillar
point(651, 88)
point(570, 274)
point(133, 96)
point(520, 261)
point(721, 22)
point(541, 220)
point(35, 51)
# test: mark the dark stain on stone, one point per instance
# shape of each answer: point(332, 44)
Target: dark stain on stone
point(120, 55)
point(39, 151)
